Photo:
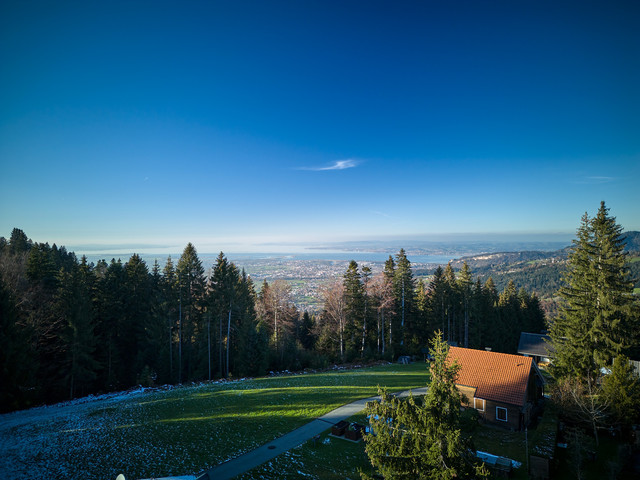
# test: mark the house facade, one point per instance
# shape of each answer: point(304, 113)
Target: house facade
point(504, 389)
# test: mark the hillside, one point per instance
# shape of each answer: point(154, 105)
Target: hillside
point(538, 271)
point(178, 430)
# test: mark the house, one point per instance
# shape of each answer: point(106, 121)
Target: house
point(537, 346)
point(505, 389)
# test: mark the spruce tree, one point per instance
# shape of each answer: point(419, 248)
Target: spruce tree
point(621, 391)
point(404, 288)
point(598, 318)
point(437, 301)
point(421, 438)
point(191, 283)
point(464, 286)
point(354, 307)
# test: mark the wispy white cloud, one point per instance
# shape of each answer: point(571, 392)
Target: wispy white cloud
point(381, 214)
point(337, 165)
point(595, 180)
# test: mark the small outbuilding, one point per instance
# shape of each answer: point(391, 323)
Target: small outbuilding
point(505, 389)
point(537, 346)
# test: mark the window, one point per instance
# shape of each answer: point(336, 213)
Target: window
point(478, 404)
point(501, 414)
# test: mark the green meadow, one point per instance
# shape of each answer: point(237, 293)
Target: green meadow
point(183, 430)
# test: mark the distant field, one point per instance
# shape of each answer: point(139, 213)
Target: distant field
point(179, 431)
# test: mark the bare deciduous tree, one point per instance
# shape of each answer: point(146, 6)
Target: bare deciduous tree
point(335, 314)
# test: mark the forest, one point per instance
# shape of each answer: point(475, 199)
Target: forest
point(70, 328)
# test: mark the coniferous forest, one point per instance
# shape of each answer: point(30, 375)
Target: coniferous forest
point(69, 328)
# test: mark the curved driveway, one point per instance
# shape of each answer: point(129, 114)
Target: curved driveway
point(243, 463)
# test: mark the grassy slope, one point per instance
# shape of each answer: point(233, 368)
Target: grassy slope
point(183, 430)
point(335, 458)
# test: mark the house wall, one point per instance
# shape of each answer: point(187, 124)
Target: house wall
point(468, 394)
point(490, 414)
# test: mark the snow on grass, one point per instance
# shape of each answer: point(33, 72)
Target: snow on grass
point(147, 433)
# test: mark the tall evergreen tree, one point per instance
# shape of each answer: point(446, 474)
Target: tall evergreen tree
point(354, 308)
point(509, 327)
point(598, 318)
point(421, 438)
point(404, 287)
point(222, 305)
point(451, 303)
point(19, 242)
point(73, 304)
point(437, 302)
point(17, 372)
point(137, 318)
point(252, 340)
point(367, 337)
point(191, 285)
point(464, 287)
point(171, 310)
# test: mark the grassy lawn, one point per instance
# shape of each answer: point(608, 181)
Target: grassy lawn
point(504, 443)
point(186, 430)
point(336, 458)
point(328, 458)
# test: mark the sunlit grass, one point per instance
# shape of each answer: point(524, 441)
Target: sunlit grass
point(186, 430)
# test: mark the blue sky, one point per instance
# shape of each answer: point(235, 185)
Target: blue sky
point(238, 124)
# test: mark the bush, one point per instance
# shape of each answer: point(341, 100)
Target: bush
point(147, 377)
point(469, 420)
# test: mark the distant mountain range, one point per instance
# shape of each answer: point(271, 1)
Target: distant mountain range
point(536, 271)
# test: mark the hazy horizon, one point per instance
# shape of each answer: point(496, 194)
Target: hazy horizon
point(250, 124)
point(435, 245)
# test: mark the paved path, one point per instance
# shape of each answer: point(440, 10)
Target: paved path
point(252, 459)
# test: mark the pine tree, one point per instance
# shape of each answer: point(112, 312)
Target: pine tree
point(437, 301)
point(598, 318)
point(305, 331)
point(137, 317)
point(19, 242)
point(621, 391)
point(354, 307)
point(73, 305)
point(464, 286)
point(109, 311)
point(509, 327)
point(17, 370)
point(223, 287)
point(404, 288)
point(171, 309)
point(421, 438)
point(451, 302)
point(191, 283)
point(366, 287)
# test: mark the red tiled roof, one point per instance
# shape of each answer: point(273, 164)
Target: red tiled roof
point(496, 376)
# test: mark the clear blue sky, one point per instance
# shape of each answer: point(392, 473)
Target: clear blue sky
point(231, 124)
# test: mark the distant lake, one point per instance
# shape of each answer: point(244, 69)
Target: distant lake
point(209, 259)
point(339, 256)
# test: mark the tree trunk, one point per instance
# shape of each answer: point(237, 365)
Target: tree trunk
point(364, 329)
point(341, 328)
point(228, 340)
point(383, 342)
point(466, 323)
